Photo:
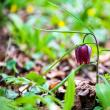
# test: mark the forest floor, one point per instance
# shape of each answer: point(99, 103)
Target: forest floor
point(85, 79)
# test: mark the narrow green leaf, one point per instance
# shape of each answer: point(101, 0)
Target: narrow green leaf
point(16, 20)
point(70, 93)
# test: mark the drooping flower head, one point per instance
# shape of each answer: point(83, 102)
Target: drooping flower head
point(83, 54)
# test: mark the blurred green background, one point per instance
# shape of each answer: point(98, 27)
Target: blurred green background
point(21, 18)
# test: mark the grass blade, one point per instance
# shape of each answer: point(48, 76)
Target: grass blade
point(70, 93)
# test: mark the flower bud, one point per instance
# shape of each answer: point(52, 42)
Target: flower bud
point(83, 54)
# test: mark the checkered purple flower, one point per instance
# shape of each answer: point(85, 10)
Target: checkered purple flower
point(83, 54)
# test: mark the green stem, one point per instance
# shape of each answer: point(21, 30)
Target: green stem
point(105, 50)
point(65, 79)
point(97, 47)
point(60, 31)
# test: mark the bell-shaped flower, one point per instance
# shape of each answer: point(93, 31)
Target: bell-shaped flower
point(83, 54)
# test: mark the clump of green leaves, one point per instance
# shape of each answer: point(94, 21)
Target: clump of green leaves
point(30, 99)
